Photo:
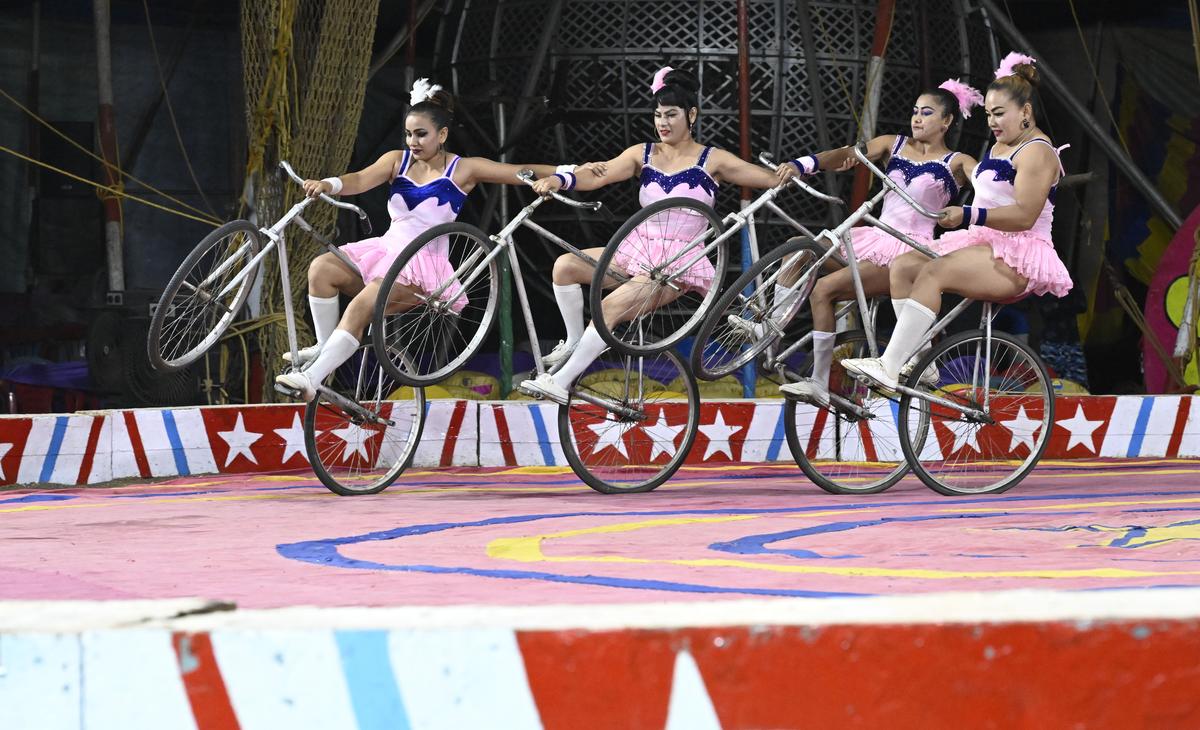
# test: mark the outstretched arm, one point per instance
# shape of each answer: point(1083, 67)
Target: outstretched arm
point(622, 167)
point(353, 183)
point(728, 167)
point(838, 160)
point(474, 170)
point(1036, 174)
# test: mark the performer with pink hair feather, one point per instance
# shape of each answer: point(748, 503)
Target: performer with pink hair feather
point(1005, 252)
point(928, 170)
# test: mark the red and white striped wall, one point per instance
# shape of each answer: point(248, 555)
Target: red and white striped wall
point(89, 448)
point(1001, 659)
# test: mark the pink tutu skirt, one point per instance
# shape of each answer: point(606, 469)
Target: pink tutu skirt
point(646, 248)
point(880, 248)
point(425, 272)
point(1031, 256)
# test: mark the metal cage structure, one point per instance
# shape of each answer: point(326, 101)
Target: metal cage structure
point(568, 80)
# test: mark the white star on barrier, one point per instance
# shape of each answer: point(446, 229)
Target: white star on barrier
point(1023, 429)
point(718, 434)
point(293, 438)
point(610, 433)
point(663, 435)
point(965, 434)
point(239, 441)
point(356, 439)
point(1081, 430)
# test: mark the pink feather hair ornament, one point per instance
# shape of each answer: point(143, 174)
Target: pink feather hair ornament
point(967, 96)
point(660, 77)
point(1011, 60)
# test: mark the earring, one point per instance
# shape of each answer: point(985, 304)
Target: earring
point(1025, 124)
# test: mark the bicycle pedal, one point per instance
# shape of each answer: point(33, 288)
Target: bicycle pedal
point(289, 392)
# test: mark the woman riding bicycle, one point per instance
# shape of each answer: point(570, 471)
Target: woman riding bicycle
point(428, 186)
point(1005, 252)
point(928, 171)
point(678, 166)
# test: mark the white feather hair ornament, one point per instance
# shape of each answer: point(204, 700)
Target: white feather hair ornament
point(421, 91)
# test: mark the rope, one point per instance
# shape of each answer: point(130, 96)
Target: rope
point(162, 82)
point(1096, 77)
point(117, 192)
point(1195, 15)
point(111, 165)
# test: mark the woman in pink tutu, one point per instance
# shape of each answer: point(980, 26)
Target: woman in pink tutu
point(676, 167)
point(428, 186)
point(928, 171)
point(1005, 252)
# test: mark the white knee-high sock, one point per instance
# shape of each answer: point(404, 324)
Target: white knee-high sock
point(899, 304)
point(325, 314)
point(590, 346)
point(570, 304)
point(914, 321)
point(337, 350)
point(822, 349)
point(783, 298)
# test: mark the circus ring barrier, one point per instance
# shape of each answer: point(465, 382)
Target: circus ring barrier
point(97, 447)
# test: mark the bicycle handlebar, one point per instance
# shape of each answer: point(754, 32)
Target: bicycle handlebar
point(860, 151)
point(335, 203)
point(768, 161)
point(526, 176)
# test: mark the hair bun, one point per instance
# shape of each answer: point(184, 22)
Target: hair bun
point(1028, 72)
point(682, 79)
point(442, 98)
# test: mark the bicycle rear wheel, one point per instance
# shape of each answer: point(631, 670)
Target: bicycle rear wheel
point(842, 451)
point(992, 451)
point(644, 435)
point(204, 296)
point(356, 451)
point(437, 304)
point(665, 302)
point(746, 319)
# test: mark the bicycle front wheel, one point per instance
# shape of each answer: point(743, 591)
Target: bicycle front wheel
point(437, 304)
point(993, 420)
point(751, 315)
point(848, 450)
point(204, 296)
point(666, 278)
point(363, 449)
point(630, 426)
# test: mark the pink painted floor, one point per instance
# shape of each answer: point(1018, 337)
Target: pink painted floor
point(534, 536)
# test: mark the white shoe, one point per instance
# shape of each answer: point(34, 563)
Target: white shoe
point(930, 378)
point(307, 355)
point(543, 386)
point(807, 390)
point(750, 330)
point(298, 382)
point(871, 369)
point(559, 354)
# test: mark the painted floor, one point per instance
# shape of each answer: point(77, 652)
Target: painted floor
point(530, 536)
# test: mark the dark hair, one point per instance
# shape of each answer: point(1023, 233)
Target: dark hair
point(680, 89)
point(1020, 85)
point(949, 104)
point(439, 108)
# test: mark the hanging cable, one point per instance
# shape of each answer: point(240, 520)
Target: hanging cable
point(208, 218)
point(162, 82)
point(117, 191)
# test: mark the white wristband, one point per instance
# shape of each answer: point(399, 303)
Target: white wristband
point(565, 168)
point(335, 184)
